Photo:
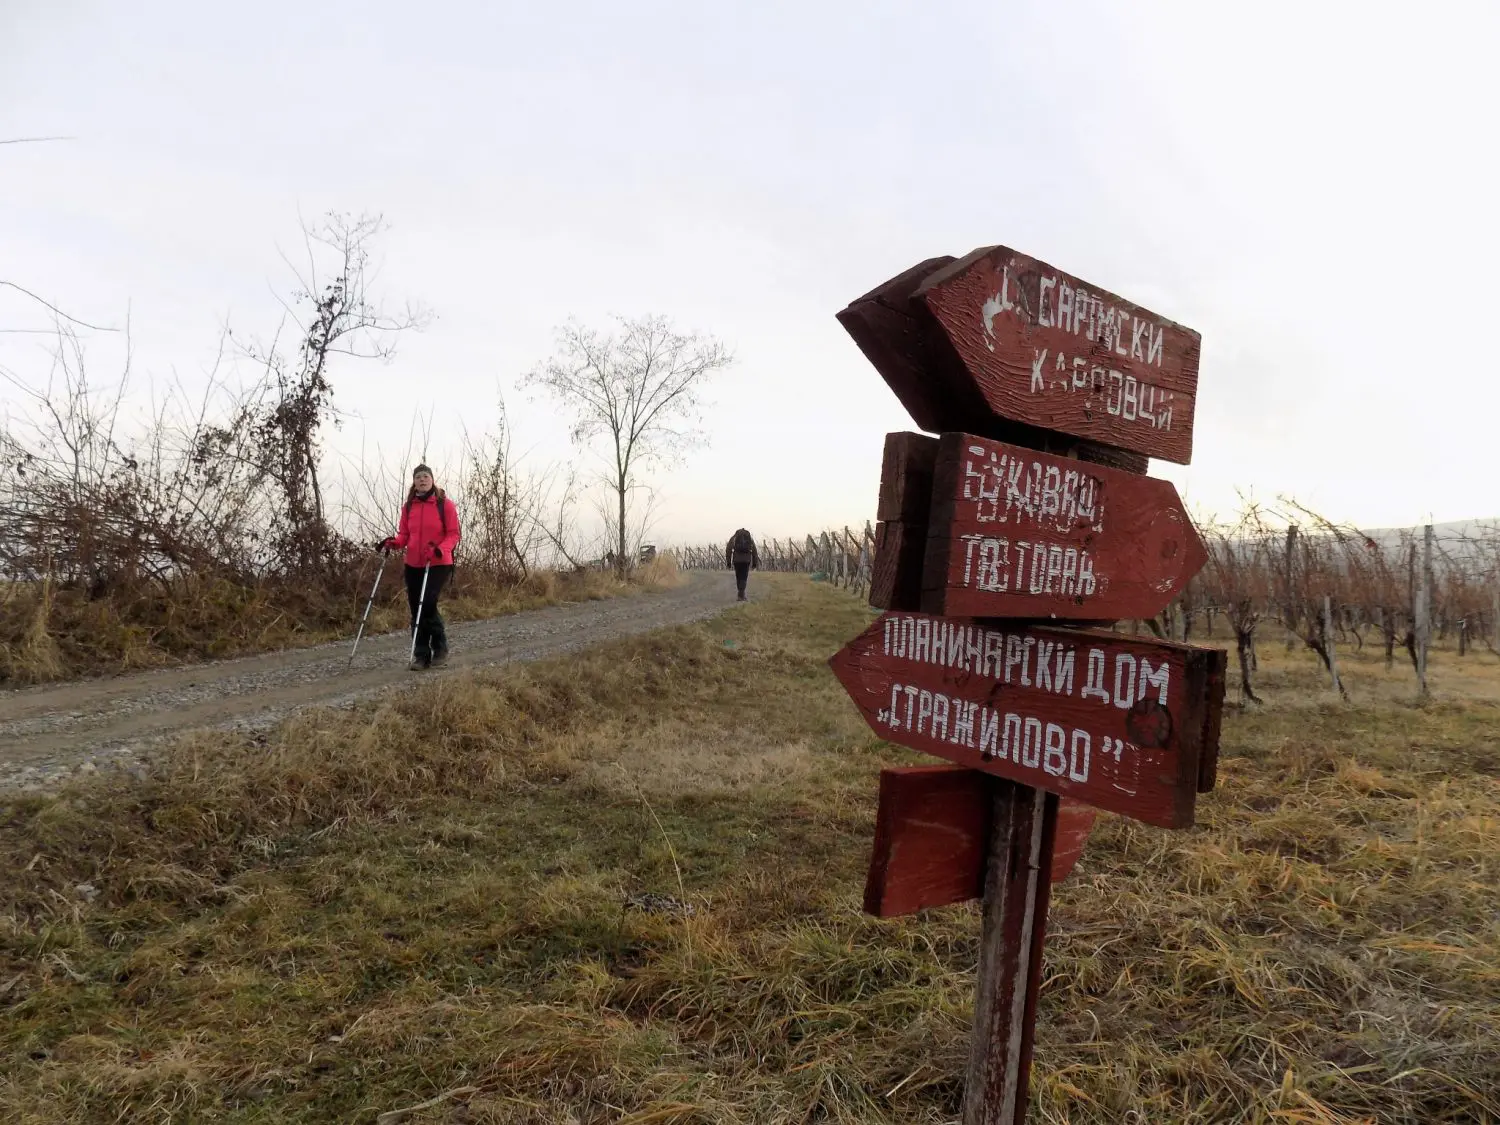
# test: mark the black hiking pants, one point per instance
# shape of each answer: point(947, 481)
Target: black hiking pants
point(741, 576)
point(432, 636)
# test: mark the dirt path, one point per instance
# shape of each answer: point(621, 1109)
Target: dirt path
point(49, 733)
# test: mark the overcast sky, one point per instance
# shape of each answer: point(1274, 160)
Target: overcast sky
point(1309, 185)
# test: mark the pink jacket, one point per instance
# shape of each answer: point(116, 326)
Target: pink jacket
point(422, 528)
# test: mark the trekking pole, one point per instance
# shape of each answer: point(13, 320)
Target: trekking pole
point(420, 599)
point(383, 556)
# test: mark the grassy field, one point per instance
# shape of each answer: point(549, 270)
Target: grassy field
point(48, 635)
point(428, 911)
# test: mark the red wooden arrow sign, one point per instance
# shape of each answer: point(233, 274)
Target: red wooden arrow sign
point(1126, 725)
point(1052, 350)
point(1015, 533)
point(1000, 343)
point(932, 829)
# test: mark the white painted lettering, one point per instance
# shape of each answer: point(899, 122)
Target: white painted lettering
point(993, 643)
point(1010, 745)
point(1044, 664)
point(963, 726)
point(970, 543)
point(1070, 573)
point(989, 733)
point(1063, 677)
point(1078, 758)
point(1160, 679)
point(1086, 583)
point(1055, 761)
point(1093, 684)
point(1031, 744)
point(1013, 655)
point(1124, 686)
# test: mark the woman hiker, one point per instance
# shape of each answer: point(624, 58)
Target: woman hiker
point(428, 532)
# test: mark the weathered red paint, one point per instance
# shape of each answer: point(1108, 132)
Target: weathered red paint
point(1050, 350)
point(1016, 533)
point(904, 342)
point(902, 511)
point(930, 836)
point(1075, 823)
point(930, 833)
point(1119, 723)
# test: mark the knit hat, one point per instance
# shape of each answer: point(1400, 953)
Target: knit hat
point(421, 469)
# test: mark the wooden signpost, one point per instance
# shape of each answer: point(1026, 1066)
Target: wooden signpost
point(1029, 510)
point(1015, 533)
point(931, 834)
point(1000, 337)
point(1118, 722)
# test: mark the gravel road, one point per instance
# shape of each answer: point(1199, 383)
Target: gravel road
point(50, 733)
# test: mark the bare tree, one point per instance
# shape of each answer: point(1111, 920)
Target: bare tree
point(56, 312)
point(287, 418)
point(503, 523)
point(639, 388)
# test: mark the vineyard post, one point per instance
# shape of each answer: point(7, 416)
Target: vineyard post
point(1333, 660)
point(1424, 609)
point(1290, 611)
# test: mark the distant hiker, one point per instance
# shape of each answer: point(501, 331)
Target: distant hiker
point(742, 555)
point(428, 532)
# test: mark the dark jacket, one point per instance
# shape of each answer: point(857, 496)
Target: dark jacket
point(741, 549)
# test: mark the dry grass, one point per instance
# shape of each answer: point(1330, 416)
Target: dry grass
point(429, 897)
point(48, 635)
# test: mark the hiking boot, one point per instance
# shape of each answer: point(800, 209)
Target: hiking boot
point(439, 658)
point(418, 664)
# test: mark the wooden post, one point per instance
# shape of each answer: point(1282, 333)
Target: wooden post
point(1291, 594)
point(1495, 616)
point(1424, 610)
point(1017, 885)
point(1333, 659)
point(1411, 587)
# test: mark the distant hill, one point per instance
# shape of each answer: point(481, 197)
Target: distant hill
point(1458, 529)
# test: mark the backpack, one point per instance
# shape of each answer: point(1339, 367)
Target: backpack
point(743, 542)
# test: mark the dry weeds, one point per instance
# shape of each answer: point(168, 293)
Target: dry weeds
point(48, 635)
point(430, 906)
